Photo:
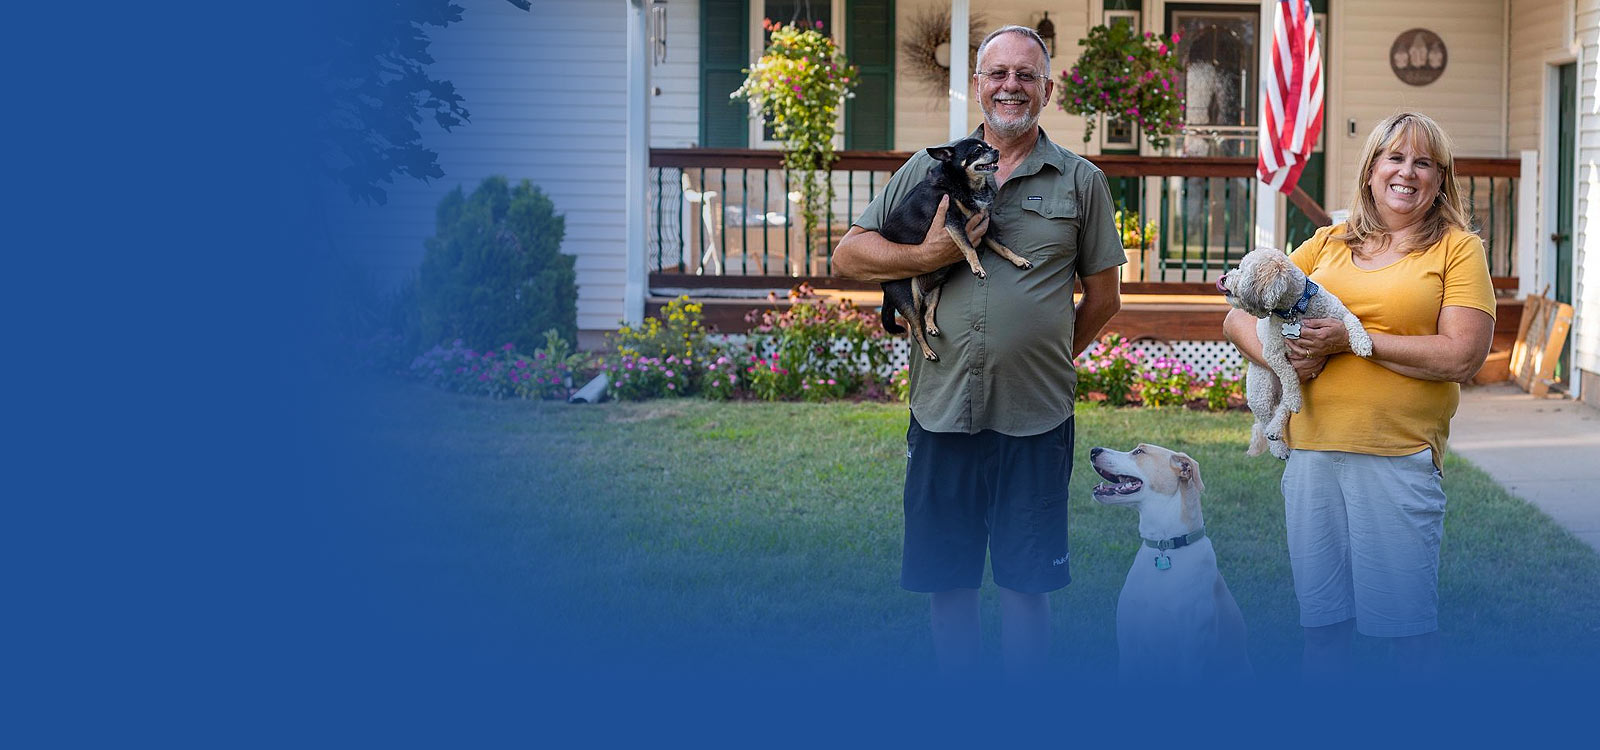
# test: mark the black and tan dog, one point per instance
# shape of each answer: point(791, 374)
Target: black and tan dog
point(961, 172)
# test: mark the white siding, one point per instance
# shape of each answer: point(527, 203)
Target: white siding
point(1586, 289)
point(546, 90)
point(1536, 30)
point(1465, 99)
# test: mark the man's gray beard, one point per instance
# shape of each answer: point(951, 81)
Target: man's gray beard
point(1010, 130)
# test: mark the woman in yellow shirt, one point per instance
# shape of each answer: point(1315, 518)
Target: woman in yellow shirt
point(1362, 498)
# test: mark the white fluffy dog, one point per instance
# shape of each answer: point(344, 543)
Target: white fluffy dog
point(1269, 286)
point(1176, 619)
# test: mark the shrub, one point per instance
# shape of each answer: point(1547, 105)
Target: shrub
point(549, 373)
point(900, 384)
point(1110, 366)
point(493, 271)
point(720, 379)
point(675, 332)
point(638, 378)
point(1219, 387)
point(1166, 382)
point(495, 373)
point(817, 341)
point(769, 380)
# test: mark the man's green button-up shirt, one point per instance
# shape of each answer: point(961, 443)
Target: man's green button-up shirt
point(1005, 356)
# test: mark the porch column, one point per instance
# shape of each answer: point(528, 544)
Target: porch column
point(637, 159)
point(1528, 226)
point(1266, 198)
point(960, 76)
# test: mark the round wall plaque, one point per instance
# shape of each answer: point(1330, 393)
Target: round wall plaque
point(1418, 57)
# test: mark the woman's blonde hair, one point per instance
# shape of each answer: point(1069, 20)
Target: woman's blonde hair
point(1448, 209)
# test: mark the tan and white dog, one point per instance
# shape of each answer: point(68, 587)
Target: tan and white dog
point(1176, 619)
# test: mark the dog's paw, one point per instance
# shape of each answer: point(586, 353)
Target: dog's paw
point(933, 330)
point(931, 356)
point(1024, 264)
point(978, 272)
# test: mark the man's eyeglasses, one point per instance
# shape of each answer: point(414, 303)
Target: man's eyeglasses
point(1024, 77)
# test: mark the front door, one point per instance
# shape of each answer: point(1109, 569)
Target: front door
point(1566, 119)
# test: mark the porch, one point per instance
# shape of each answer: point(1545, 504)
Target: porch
point(725, 230)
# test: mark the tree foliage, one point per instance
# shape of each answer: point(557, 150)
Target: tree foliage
point(493, 273)
point(374, 92)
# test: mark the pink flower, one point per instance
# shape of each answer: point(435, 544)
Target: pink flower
point(1161, 48)
point(671, 374)
point(508, 347)
point(671, 387)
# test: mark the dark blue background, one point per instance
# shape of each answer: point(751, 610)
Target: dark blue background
point(180, 568)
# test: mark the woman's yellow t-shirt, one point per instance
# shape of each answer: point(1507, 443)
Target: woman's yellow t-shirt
point(1358, 406)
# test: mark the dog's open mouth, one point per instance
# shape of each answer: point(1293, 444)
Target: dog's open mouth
point(1120, 484)
point(989, 167)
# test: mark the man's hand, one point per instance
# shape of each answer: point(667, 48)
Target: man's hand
point(866, 256)
point(937, 242)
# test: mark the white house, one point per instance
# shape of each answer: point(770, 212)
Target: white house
point(573, 94)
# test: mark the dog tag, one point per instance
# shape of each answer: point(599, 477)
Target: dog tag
point(1163, 562)
point(1291, 330)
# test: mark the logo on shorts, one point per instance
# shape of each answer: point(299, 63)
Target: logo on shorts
point(1060, 561)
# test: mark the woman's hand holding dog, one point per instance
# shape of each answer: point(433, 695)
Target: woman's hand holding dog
point(1320, 338)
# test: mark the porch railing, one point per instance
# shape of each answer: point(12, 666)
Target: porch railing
point(733, 212)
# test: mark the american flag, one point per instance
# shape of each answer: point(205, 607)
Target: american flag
point(1291, 96)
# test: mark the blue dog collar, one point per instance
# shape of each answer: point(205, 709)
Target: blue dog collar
point(1299, 308)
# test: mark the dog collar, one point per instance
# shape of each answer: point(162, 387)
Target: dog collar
point(1177, 541)
point(1294, 312)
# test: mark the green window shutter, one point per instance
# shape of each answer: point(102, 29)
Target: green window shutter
point(869, 43)
point(724, 53)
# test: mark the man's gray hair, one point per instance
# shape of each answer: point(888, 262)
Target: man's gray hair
point(1015, 29)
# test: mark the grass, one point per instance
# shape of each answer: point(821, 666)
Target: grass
point(688, 535)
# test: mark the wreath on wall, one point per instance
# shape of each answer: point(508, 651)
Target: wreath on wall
point(928, 41)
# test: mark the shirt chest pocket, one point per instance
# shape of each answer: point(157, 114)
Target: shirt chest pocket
point(1046, 228)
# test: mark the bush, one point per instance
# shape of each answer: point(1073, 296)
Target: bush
point(817, 346)
point(676, 332)
point(720, 380)
point(493, 271)
point(1219, 388)
point(637, 378)
point(1166, 382)
point(1109, 366)
point(501, 372)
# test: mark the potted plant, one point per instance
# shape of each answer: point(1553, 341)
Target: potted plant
point(1126, 76)
point(797, 87)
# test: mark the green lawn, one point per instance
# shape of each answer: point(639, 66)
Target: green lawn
point(694, 535)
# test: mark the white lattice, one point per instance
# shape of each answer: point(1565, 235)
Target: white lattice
point(1203, 356)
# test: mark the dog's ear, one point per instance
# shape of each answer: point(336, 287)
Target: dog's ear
point(1188, 470)
point(1271, 282)
point(942, 153)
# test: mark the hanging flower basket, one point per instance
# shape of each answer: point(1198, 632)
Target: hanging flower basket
point(798, 87)
point(1126, 76)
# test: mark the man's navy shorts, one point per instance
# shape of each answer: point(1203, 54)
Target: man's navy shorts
point(966, 494)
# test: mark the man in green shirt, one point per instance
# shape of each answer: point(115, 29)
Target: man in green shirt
point(990, 440)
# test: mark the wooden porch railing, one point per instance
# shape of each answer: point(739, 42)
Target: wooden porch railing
point(733, 213)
